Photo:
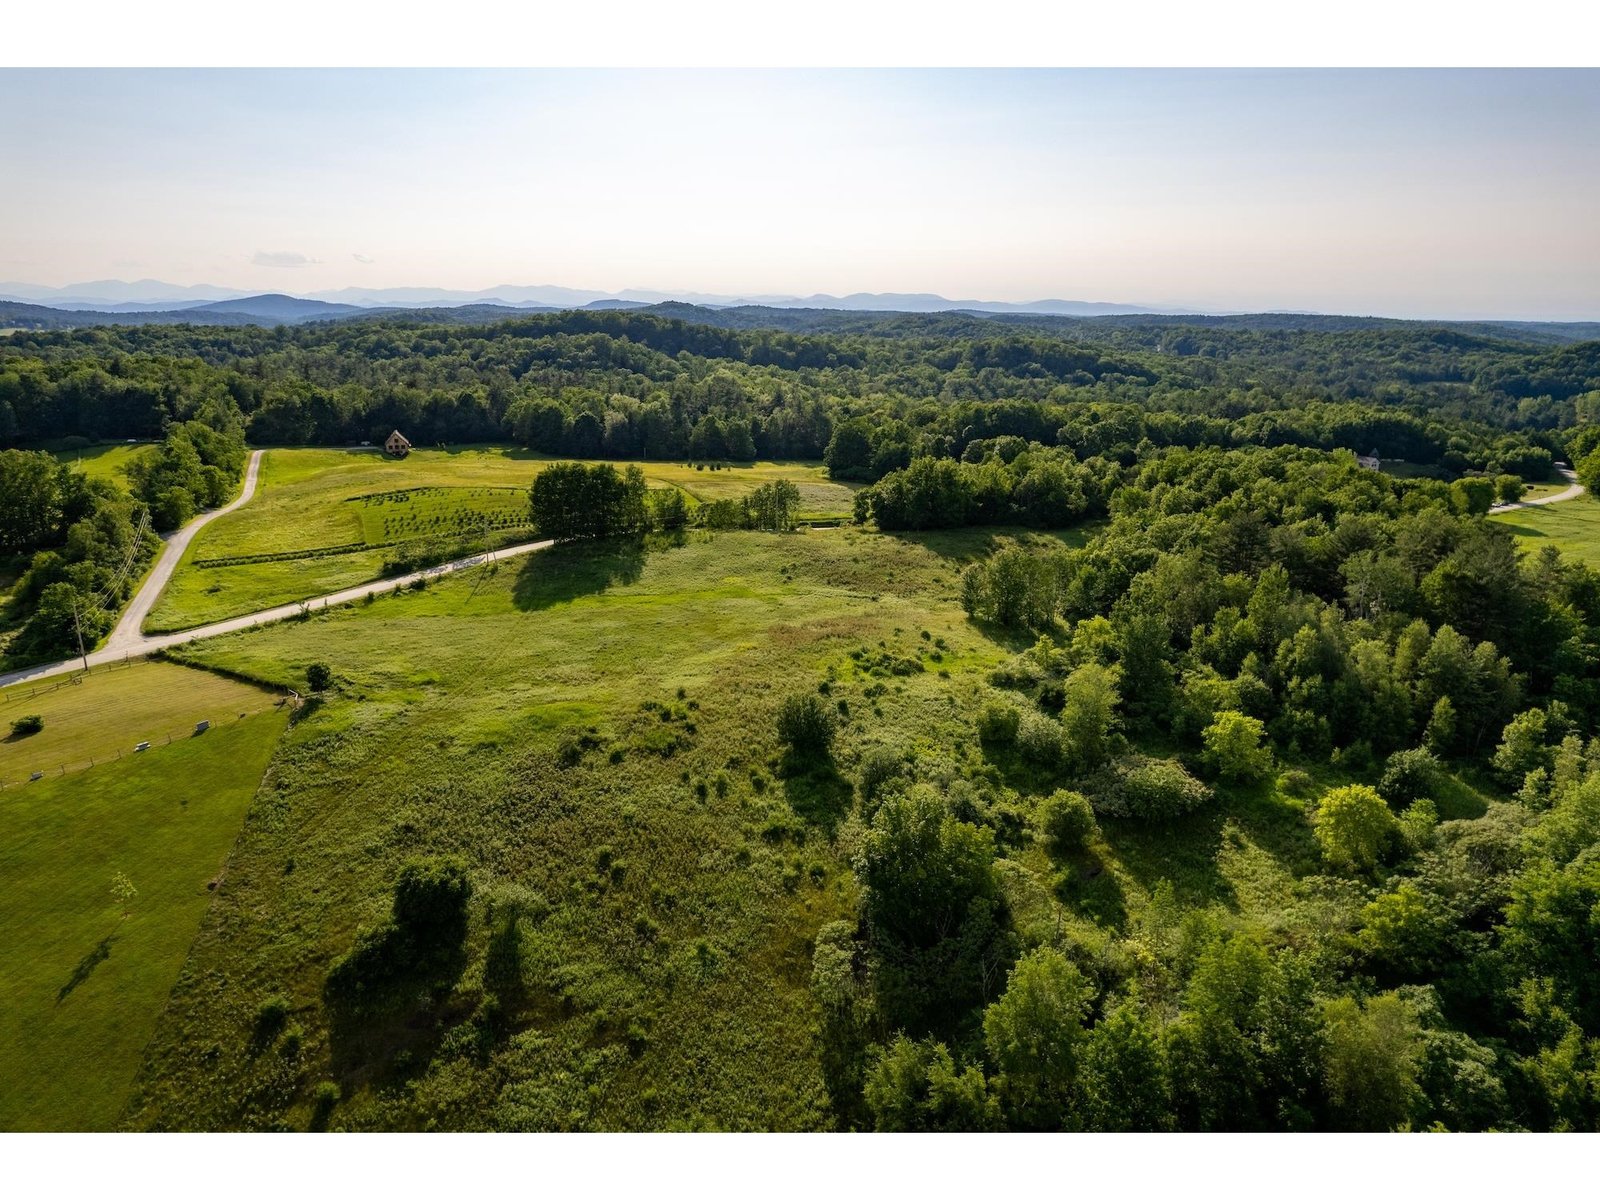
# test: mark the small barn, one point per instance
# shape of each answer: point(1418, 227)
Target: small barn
point(396, 445)
point(1370, 461)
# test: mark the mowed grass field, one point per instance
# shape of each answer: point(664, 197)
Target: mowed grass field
point(592, 731)
point(1572, 526)
point(313, 499)
point(104, 714)
point(104, 462)
point(83, 977)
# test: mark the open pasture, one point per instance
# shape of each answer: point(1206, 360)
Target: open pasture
point(85, 972)
point(319, 518)
point(105, 462)
point(94, 718)
point(1573, 527)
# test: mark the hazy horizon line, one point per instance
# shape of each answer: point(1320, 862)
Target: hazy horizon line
point(776, 299)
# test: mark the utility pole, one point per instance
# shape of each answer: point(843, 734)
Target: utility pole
point(77, 625)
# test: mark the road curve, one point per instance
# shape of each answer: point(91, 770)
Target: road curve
point(1572, 493)
point(125, 636)
point(141, 643)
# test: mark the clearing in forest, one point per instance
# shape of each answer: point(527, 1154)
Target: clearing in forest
point(316, 523)
point(1572, 526)
point(105, 462)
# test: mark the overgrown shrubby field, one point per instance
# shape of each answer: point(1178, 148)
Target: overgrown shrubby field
point(591, 733)
point(673, 912)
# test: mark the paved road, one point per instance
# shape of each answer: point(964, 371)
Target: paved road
point(1571, 493)
point(127, 639)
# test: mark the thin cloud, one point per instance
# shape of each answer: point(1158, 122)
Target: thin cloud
point(282, 258)
point(362, 258)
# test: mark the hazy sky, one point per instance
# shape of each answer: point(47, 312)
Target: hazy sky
point(1439, 193)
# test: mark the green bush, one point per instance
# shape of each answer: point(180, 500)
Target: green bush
point(271, 1017)
point(318, 676)
point(1039, 740)
point(1295, 782)
point(1067, 819)
point(881, 767)
point(1408, 776)
point(805, 725)
point(1151, 789)
point(1354, 827)
point(26, 726)
point(998, 724)
point(1234, 748)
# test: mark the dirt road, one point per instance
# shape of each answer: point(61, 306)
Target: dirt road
point(127, 640)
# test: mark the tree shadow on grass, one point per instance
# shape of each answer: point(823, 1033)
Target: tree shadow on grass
point(1182, 852)
point(1520, 530)
point(1277, 826)
point(564, 573)
point(86, 965)
point(817, 792)
point(1088, 887)
point(963, 546)
point(395, 1029)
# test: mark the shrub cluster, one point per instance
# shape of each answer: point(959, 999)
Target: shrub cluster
point(1151, 789)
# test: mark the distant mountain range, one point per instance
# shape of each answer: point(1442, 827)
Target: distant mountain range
point(28, 306)
point(152, 295)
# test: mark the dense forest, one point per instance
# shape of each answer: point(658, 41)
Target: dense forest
point(1250, 614)
point(631, 385)
point(1249, 607)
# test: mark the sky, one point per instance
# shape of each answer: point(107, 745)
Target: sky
point(1406, 193)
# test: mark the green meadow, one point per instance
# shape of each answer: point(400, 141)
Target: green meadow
point(322, 517)
point(592, 732)
point(105, 462)
point(1573, 527)
point(85, 972)
point(95, 717)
